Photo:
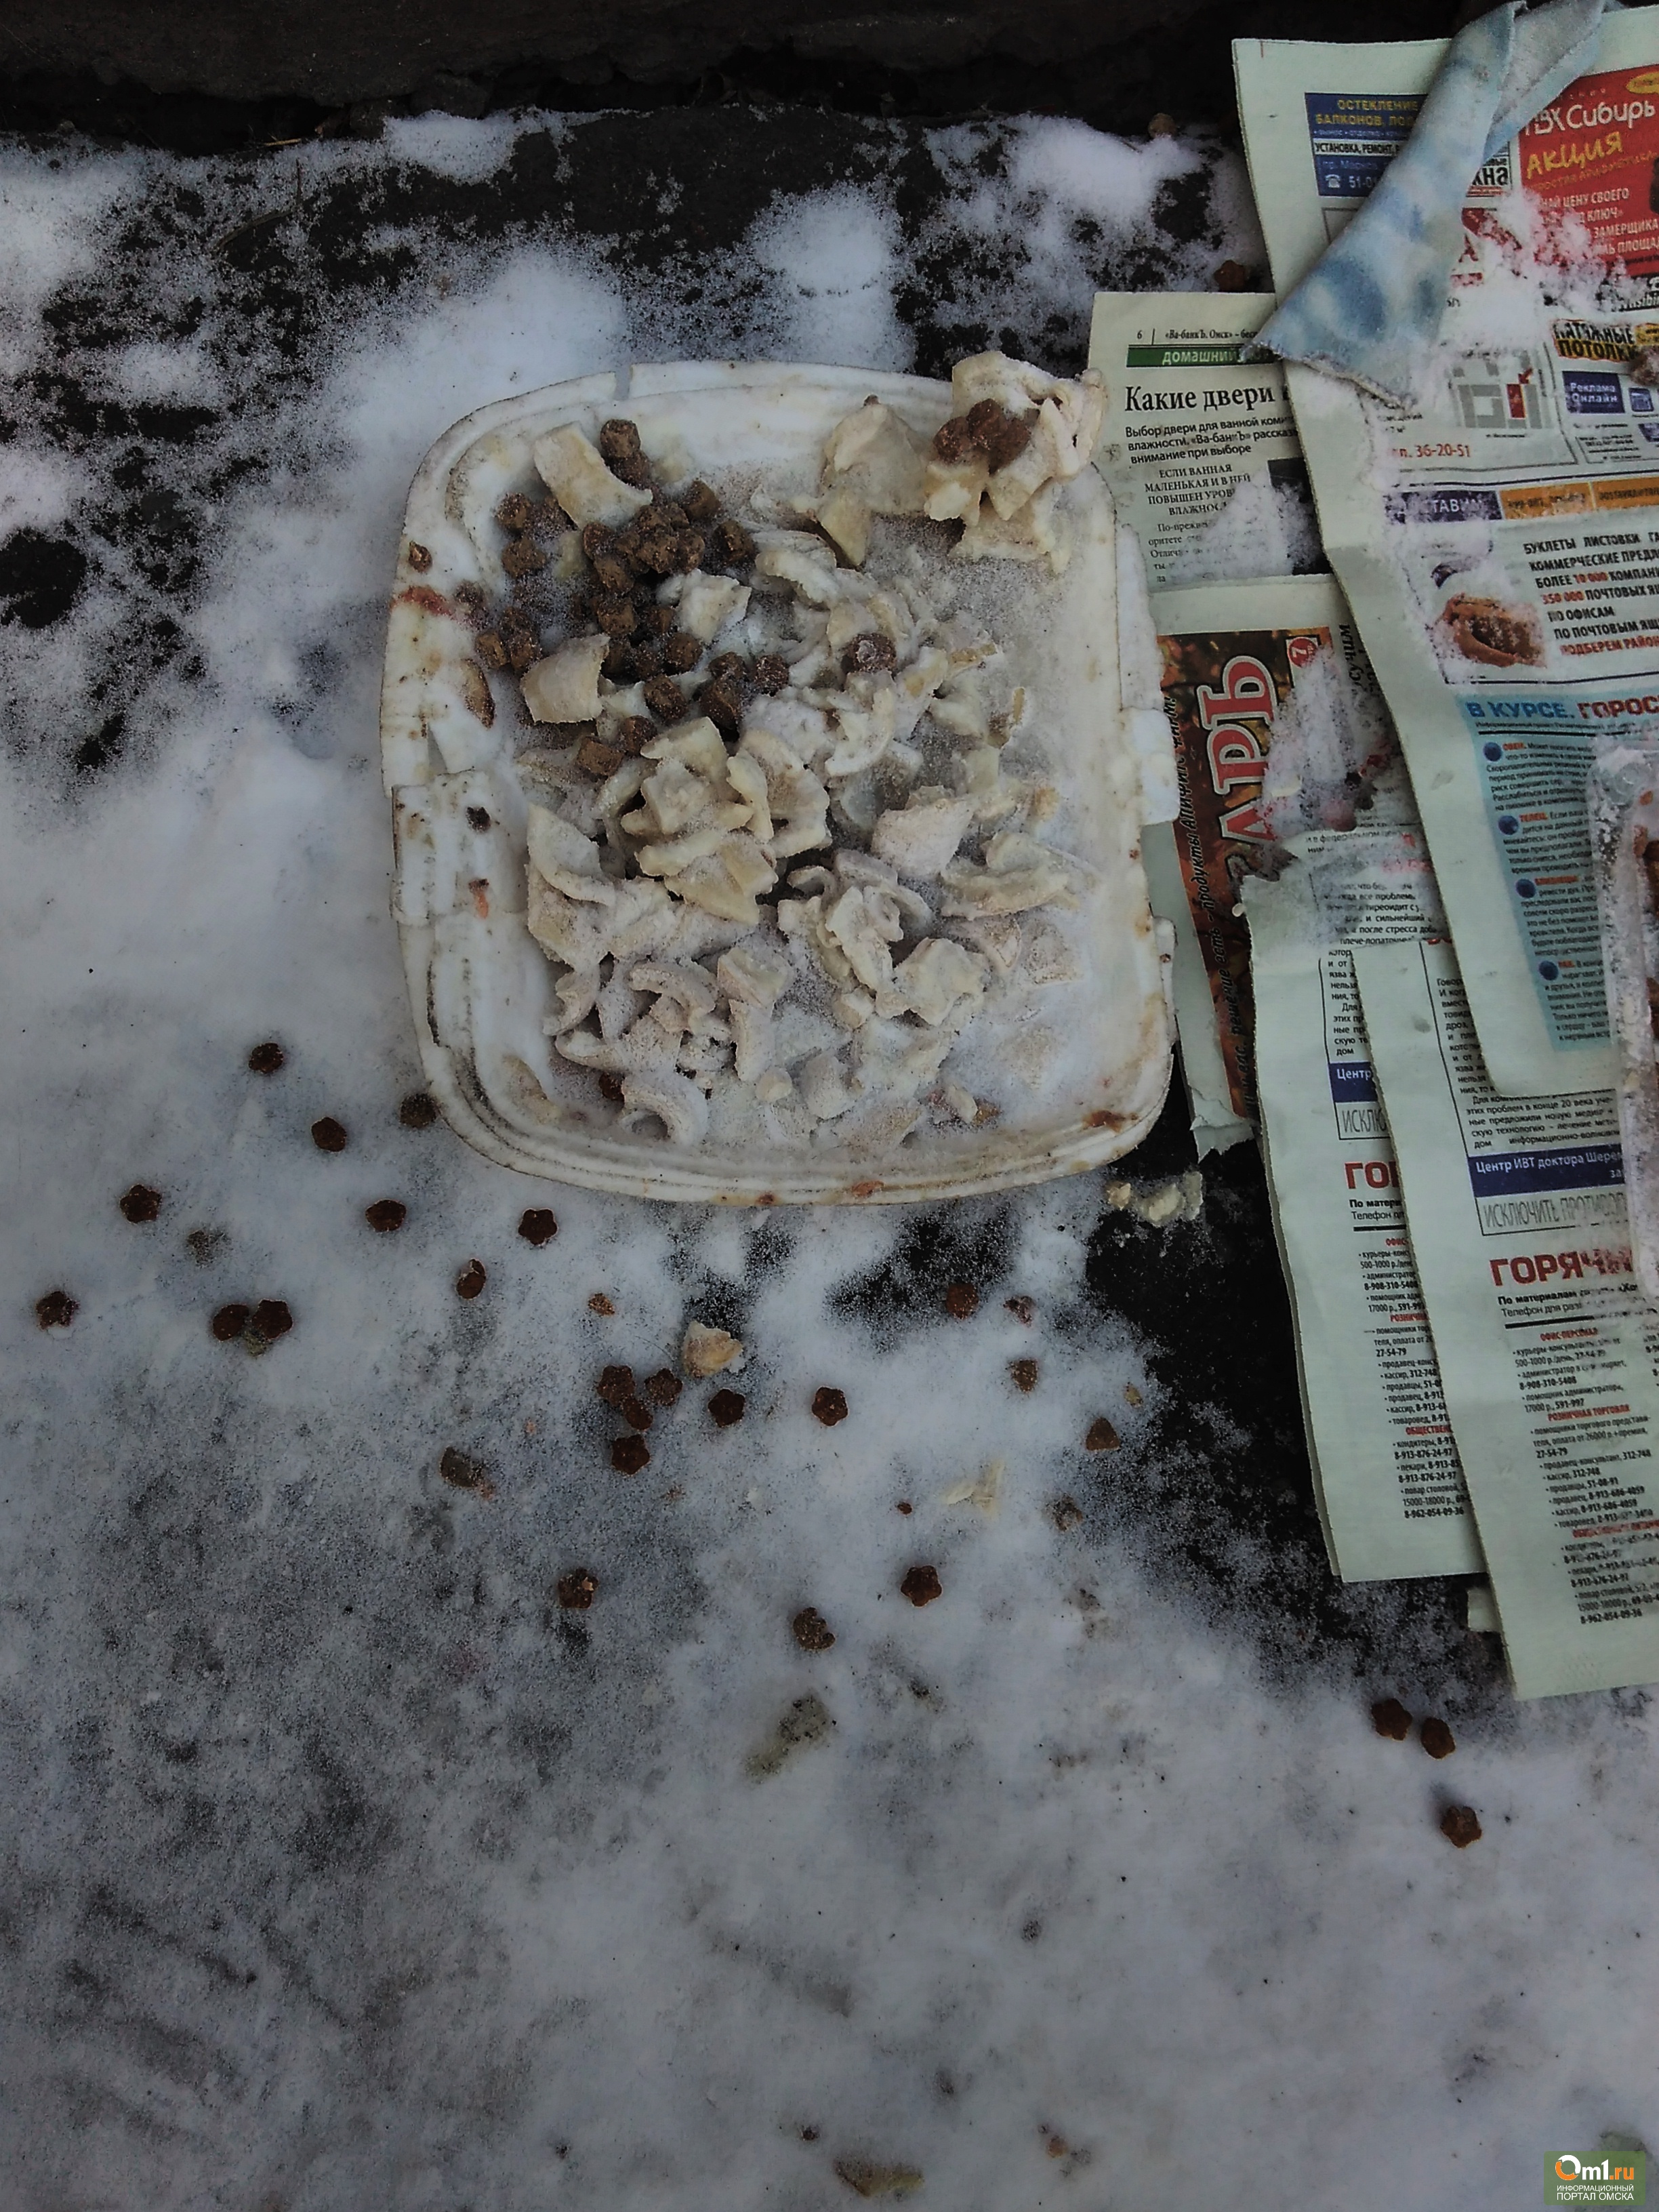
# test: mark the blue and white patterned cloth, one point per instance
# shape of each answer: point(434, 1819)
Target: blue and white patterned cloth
point(1370, 308)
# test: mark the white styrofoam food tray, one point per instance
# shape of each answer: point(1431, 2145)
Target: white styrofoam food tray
point(480, 986)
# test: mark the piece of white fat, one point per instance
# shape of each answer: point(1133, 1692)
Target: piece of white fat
point(935, 975)
point(709, 604)
point(919, 838)
point(568, 860)
point(708, 1352)
point(1018, 874)
point(873, 453)
point(845, 515)
point(753, 974)
point(564, 686)
point(573, 471)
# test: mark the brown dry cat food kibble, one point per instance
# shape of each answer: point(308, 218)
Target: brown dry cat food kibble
point(1065, 1513)
point(664, 697)
point(265, 1058)
point(635, 1412)
point(1438, 1739)
point(228, 1324)
point(420, 557)
point(610, 1088)
point(954, 441)
point(614, 1384)
point(514, 512)
point(619, 439)
point(536, 1225)
point(811, 1630)
point(140, 1203)
point(1024, 1373)
point(680, 653)
point(1102, 1437)
point(577, 1591)
point(700, 503)
point(922, 1586)
point(869, 652)
point(328, 1135)
point(417, 1111)
point(471, 1281)
point(1390, 1718)
point(961, 1301)
point(523, 557)
point(771, 672)
point(464, 1473)
point(1459, 1825)
point(726, 1406)
point(628, 1454)
point(664, 1387)
point(829, 1406)
point(598, 1304)
point(271, 1319)
point(56, 1311)
point(1022, 1310)
point(385, 1215)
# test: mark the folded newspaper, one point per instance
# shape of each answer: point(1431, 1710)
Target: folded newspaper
point(1499, 542)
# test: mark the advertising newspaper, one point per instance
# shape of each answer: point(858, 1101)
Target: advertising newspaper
point(1200, 450)
point(1499, 542)
point(1390, 1487)
point(1549, 1356)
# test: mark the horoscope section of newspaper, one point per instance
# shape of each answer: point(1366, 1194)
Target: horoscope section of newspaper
point(1279, 730)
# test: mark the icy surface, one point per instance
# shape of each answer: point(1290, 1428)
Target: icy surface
point(343, 1866)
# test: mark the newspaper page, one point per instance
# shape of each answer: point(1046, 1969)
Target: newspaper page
point(1391, 1488)
point(1279, 727)
point(1500, 542)
point(1200, 450)
point(1549, 1356)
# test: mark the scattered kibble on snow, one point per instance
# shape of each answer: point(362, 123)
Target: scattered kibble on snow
point(635, 1412)
point(536, 1225)
point(328, 1134)
point(1023, 1309)
point(1024, 1373)
point(420, 557)
point(1438, 1739)
point(464, 1473)
point(56, 1311)
point(577, 1591)
point(265, 1058)
point(829, 1406)
point(1390, 1718)
point(811, 1630)
point(471, 1279)
point(1066, 1512)
point(628, 1454)
point(229, 1322)
point(726, 1406)
point(385, 1215)
point(707, 1351)
point(1131, 1395)
point(615, 1385)
point(598, 1304)
point(961, 1301)
point(140, 1203)
point(664, 1387)
point(921, 1585)
point(1459, 1825)
point(1102, 1437)
point(905, 1506)
point(270, 1319)
point(417, 1111)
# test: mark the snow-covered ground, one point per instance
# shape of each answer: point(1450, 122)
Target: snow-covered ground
point(343, 1866)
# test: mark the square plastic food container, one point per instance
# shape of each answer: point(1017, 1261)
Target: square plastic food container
point(480, 986)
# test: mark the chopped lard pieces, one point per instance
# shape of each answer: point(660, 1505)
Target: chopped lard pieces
point(674, 855)
point(845, 515)
point(863, 923)
point(708, 1352)
point(952, 490)
point(1031, 531)
point(798, 559)
point(688, 987)
point(1018, 874)
point(575, 472)
point(709, 604)
point(935, 975)
point(675, 797)
point(774, 1087)
point(564, 686)
point(920, 837)
point(674, 1099)
point(1048, 958)
point(998, 936)
point(822, 1085)
point(754, 974)
point(697, 743)
point(874, 452)
point(726, 882)
point(565, 858)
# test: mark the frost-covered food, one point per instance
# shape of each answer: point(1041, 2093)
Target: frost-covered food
point(796, 753)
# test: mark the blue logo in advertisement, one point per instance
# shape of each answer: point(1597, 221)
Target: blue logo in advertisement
point(1492, 751)
point(1548, 971)
point(1526, 888)
point(1507, 826)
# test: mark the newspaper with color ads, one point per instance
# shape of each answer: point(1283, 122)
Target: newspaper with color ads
point(1549, 1355)
point(1199, 448)
point(1499, 542)
point(1278, 728)
point(1391, 1488)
